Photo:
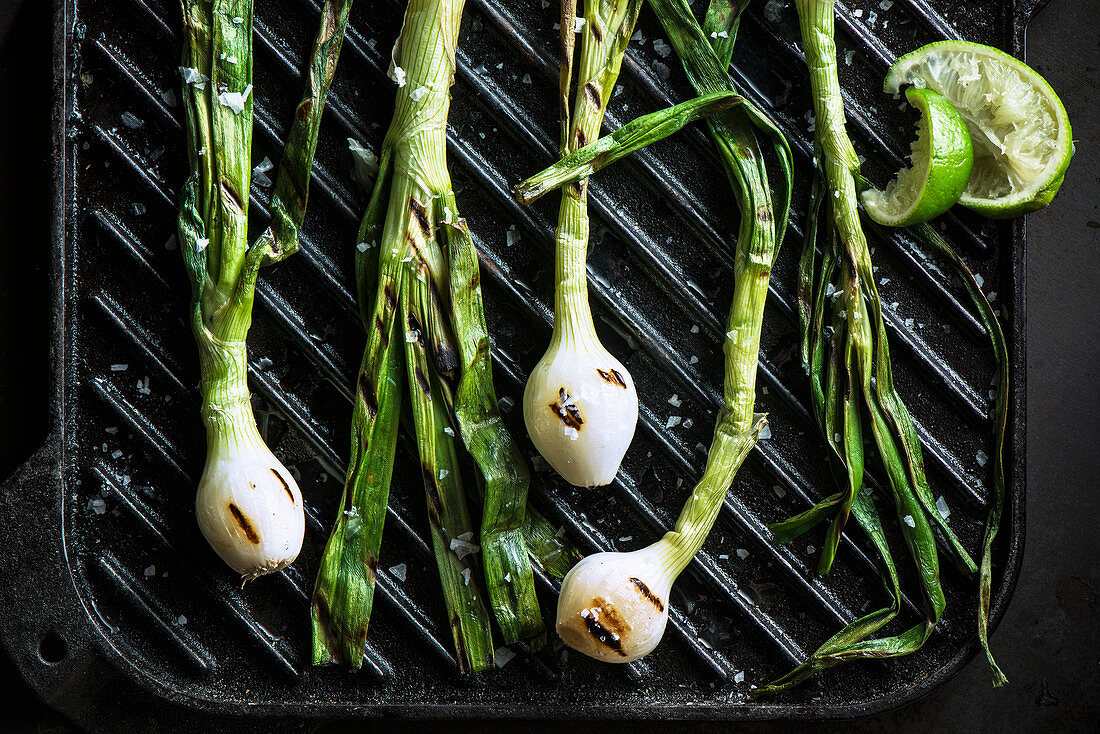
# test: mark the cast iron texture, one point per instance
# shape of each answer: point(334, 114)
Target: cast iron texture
point(108, 584)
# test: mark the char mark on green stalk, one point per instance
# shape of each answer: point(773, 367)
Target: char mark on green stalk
point(602, 634)
point(232, 194)
point(597, 33)
point(372, 567)
point(286, 487)
point(647, 594)
point(764, 214)
point(416, 328)
point(370, 397)
point(422, 383)
point(384, 335)
point(244, 524)
point(612, 376)
point(391, 298)
point(592, 93)
point(460, 644)
point(420, 214)
point(582, 139)
point(435, 505)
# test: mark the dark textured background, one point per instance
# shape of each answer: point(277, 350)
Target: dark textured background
point(1049, 641)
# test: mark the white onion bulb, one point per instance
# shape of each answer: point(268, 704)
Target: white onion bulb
point(248, 506)
point(614, 606)
point(581, 409)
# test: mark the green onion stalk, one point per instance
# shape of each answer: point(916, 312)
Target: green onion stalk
point(248, 506)
point(419, 289)
point(580, 404)
point(848, 361)
point(614, 606)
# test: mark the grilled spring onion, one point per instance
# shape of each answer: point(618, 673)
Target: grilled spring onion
point(614, 606)
point(580, 404)
point(248, 506)
point(418, 286)
point(850, 369)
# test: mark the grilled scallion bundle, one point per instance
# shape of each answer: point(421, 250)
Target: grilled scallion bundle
point(846, 354)
point(248, 506)
point(418, 286)
point(614, 606)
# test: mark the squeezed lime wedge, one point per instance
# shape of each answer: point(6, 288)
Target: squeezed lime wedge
point(1018, 126)
point(942, 159)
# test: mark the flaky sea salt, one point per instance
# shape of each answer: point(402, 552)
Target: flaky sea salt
point(398, 571)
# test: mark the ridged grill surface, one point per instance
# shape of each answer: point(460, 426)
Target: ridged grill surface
point(664, 227)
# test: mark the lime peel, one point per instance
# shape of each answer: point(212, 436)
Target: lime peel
point(942, 159)
point(1021, 133)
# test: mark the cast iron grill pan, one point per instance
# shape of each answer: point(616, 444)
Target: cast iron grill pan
point(119, 573)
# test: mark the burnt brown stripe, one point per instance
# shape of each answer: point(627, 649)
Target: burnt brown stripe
point(244, 524)
point(613, 377)
point(420, 214)
point(603, 635)
point(367, 392)
point(286, 486)
point(592, 92)
point(649, 595)
point(422, 383)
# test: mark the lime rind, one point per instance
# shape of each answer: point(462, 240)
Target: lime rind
point(1021, 133)
point(941, 161)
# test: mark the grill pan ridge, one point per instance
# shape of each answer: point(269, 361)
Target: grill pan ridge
point(112, 598)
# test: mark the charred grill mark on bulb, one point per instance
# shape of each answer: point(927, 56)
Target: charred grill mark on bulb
point(286, 485)
point(244, 524)
point(566, 410)
point(647, 594)
point(606, 632)
point(613, 377)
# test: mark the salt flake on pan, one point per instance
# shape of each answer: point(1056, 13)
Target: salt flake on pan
point(942, 508)
point(259, 173)
point(765, 432)
point(673, 421)
point(662, 48)
point(674, 401)
point(502, 656)
point(151, 571)
point(511, 236)
point(398, 571)
point(132, 121)
point(181, 620)
point(982, 457)
point(119, 367)
point(739, 677)
point(742, 553)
